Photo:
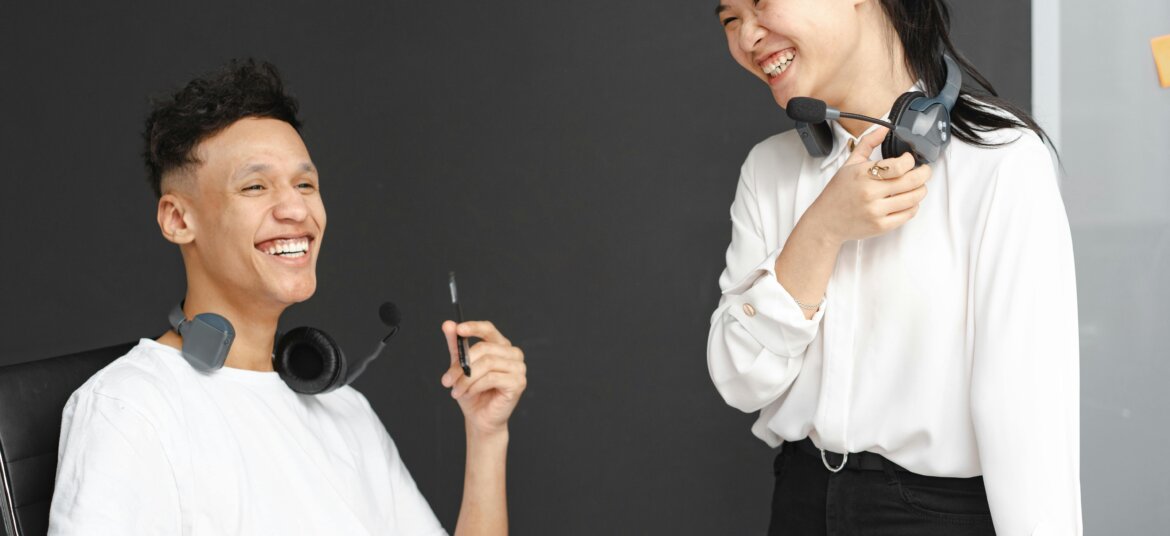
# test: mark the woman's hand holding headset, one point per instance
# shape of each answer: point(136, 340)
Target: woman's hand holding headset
point(856, 204)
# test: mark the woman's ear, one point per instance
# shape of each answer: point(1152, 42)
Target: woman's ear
point(174, 219)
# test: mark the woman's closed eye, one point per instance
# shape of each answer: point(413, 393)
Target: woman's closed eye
point(725, 14)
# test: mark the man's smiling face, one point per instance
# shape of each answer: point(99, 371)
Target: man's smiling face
point(256, 214)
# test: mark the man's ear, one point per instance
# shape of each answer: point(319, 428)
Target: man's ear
point(175, 220)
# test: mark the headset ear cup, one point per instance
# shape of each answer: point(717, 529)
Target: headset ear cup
point(309, 361)
point(892, 146)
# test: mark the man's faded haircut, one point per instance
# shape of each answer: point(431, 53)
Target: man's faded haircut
point(207, 105)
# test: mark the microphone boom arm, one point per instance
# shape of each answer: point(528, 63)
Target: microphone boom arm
point(867, 119)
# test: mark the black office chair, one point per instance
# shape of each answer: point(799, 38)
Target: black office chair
point(32, 396)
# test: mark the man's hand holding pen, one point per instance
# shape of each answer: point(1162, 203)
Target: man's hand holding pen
point(498, 376)
point(487, 380)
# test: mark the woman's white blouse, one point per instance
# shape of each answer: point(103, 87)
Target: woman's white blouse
point(948, 345)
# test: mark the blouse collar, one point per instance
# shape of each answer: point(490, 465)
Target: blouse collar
point(843, 141)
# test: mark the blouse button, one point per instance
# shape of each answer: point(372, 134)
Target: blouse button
point(852, 145)
point(749, 310)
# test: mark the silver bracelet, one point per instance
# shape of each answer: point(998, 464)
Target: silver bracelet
point(808, 307)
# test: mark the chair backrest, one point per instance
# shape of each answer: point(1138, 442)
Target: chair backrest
point(32, 396)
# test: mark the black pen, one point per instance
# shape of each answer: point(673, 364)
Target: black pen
point(459, 340)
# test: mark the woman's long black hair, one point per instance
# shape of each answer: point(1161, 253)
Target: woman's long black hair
point(924, 28)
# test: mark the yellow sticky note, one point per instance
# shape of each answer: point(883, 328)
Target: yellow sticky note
point(1161, 46)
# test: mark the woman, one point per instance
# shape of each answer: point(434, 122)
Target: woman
point(915, 353)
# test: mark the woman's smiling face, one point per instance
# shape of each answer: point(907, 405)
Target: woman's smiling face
point(796, 47)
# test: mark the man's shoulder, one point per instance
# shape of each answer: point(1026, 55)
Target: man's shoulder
point(350, 407)
point(143, 378)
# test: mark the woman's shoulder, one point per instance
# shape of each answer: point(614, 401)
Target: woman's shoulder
point(1003, 143)
point(777, 158)
point(1013, 167)
point(1001, 148)
point(784, 146)
point(1017, 155)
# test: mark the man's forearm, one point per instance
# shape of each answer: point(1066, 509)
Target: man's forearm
point(485, 499)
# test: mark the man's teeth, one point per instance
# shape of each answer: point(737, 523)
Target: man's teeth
point(296, 247)
point(779, 64)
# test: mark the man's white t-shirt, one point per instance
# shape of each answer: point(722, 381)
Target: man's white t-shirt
point(149, 445)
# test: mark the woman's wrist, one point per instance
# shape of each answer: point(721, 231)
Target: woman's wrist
point(814, 229)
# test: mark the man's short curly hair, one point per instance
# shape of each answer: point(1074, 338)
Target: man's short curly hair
point(206, 106)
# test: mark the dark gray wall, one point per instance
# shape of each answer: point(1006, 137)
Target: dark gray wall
point(573, 161)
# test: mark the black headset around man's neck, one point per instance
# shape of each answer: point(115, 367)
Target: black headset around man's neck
point(306, 358)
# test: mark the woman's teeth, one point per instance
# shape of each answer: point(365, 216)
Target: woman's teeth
point(779, 64)
point(296, 247)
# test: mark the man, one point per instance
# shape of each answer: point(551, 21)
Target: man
point(151, 445)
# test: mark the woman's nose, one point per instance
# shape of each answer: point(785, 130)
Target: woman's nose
point(750, 34)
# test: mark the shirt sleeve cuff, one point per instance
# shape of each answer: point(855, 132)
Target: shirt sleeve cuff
point(769, 313)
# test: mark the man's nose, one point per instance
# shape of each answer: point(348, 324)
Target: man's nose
point(290, 204)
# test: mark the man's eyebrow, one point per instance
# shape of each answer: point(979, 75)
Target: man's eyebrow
point(305, 167)
point(250, 169)
point(719, 9)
